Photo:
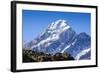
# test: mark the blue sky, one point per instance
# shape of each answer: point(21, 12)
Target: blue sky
point(34, 22)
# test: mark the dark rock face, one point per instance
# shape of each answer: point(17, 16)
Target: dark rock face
point(83, 42)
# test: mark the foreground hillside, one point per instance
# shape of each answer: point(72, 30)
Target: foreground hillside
point(30, 56)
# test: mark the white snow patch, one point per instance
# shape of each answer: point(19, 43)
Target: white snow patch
point(65, 48)
point(54, 25)
point(49, 39)
point(82, 53)
point(74, 42)
point(57, 22)
point(63, 24)
point(65, 28)
point(47, 44)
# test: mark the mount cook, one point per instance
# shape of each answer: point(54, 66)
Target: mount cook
point(59, 37)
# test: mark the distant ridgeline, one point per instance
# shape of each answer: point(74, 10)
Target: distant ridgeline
point(58, 42)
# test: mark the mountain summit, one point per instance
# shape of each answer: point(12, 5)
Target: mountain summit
point(59, 37)
point(59, 24)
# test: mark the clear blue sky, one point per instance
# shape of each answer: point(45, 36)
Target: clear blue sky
point(34, 22)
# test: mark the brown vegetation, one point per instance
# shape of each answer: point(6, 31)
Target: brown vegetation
point(30, 56)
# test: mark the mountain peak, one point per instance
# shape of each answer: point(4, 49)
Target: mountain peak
point(83, 35)
point(58, 24)
point(60, 37)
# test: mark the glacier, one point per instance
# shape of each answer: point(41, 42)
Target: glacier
point(82, 53)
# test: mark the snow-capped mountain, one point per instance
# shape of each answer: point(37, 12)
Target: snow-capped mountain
point(79, 46)
point(60, 37)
